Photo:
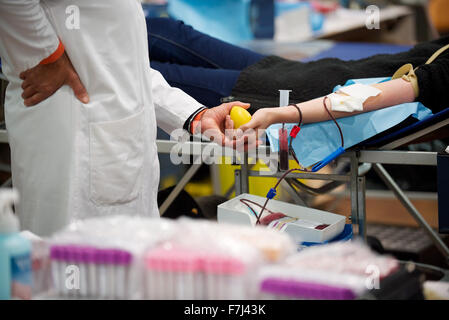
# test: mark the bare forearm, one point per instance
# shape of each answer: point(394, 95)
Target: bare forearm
point(394, 92)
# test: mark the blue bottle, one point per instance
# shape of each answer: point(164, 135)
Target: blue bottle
point(15, 252)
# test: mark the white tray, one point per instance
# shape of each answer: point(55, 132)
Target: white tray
point(233, 211)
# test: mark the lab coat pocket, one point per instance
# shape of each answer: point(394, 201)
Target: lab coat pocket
point(116, 160)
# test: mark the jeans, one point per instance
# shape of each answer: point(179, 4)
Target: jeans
point(204, 67)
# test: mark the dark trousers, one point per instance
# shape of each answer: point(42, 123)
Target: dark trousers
point(204, 67)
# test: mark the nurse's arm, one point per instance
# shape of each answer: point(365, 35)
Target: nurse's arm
point(26, 35)
point(393, 92)
point(41, 81)
point(175, 109)
point(31, 47)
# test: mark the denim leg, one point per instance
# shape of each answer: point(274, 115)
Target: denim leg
point(172, 41)
point(206, 85)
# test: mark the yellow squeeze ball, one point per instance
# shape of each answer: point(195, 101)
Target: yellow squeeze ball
point(240, 116)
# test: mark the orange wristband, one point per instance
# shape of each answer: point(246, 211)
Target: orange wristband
point(55, 55)
point(196, 120)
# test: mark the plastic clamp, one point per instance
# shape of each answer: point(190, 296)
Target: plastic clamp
point(271, 194)
point(294, 131)
point(328, 159)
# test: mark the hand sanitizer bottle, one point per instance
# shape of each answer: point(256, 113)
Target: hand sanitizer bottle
point(15, 252)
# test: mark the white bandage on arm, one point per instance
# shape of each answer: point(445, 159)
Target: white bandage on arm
point(351, 98)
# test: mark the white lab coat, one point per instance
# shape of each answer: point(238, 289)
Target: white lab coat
point(74, 160)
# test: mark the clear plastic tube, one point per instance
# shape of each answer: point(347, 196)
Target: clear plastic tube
point(83, 279)
point(179, 285)
point(56, 276)
point(151, 283)
point(62, 271)
point(110, 281)
point(189, 285)
point(284, 97)
point(102, 281)
point(92, 282)
point(88, 258)
point(211, 286)
point(199, 279)
point(119, 281)
point(55, 256)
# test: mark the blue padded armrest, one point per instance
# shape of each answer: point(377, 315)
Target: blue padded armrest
point(405, 129)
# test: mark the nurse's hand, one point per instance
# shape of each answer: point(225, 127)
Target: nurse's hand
point(216, 124)
point(41, 81)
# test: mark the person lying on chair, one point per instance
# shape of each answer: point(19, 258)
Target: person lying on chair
point(209, 70)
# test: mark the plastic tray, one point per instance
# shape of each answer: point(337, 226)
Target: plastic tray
point(233, 211)
point(345, 235)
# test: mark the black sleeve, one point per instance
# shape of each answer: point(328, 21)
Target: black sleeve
point(189, 120)
point(433, 82)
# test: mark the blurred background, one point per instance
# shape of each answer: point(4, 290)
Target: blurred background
point(240, 21)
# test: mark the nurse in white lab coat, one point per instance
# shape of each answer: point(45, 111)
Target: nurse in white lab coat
point(72, 159)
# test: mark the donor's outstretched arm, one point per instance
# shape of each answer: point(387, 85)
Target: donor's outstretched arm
point(383, 95)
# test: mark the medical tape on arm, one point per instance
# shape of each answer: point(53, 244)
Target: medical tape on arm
point(351, 98)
